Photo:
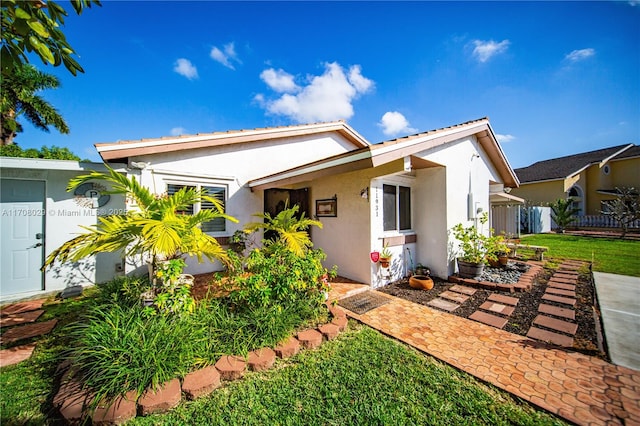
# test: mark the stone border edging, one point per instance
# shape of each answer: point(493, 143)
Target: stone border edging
point(72, 400)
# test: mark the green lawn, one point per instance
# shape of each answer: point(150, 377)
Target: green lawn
point(611, 255)
point(361, 378)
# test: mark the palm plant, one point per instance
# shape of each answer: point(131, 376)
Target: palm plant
point(156, 229)
point(290, 229)
point(563, 213)
point(19, 97)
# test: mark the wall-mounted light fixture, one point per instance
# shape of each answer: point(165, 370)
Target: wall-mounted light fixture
point(364, 193)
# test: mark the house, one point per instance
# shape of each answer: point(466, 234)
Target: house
point(589, 178)
point(405, 193)
point(38, 215)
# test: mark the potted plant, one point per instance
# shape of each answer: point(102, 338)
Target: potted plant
point(422, 280)
point(497, 251)
point(472, 249)
point(385, 256)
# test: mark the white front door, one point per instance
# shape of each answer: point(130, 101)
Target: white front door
point(22, 236)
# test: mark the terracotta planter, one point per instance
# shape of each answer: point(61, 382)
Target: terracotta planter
point(469, 269)
point(385, 261)
point(422, 282)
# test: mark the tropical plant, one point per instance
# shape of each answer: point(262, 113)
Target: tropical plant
point(496, 246)
point(563, 213)
point(35, 26)
point(20, 98)
point(473, 243)
point(386, 252)
point(289, 227)
point(157, 229)
point(625, 208)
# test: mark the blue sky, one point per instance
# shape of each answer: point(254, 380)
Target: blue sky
point(555, 78)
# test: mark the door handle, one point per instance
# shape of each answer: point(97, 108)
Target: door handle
point(36, 245)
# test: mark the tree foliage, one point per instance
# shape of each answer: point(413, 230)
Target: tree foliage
point(49, 153)
point(34, 26)
point(563, 213)
point(290, 228)
point(157, 229)
point(20, 98)
point(625, 208)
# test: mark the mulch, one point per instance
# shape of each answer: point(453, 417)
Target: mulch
point(587, 316)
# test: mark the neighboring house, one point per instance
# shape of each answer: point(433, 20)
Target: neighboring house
point(589, 178)
point(405, 193)
point(38, 215)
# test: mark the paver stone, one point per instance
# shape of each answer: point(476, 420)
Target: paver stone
point(549, 336)
point(341, 322)
point(310, 339)
point(488, 319)
point(119, 411)
point(557, 311)
point(27, 331)
point(506, 300)
point(16, 354)
point(329, 331)
point(556, 324)
point(456, 297)
point(261, 359)
point(288, 348)
point(231, 367)
point(21, 318)
point(201, 382)
point(160, 400)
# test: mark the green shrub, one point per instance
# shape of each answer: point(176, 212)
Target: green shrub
point(120, 349)
point(124, 291)
point(278, 276)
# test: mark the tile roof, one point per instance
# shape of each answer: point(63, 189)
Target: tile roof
point(560, 168)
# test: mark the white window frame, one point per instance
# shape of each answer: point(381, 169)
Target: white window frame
point(197, 206)
point(397, 229)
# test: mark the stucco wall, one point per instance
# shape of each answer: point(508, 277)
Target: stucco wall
point(540, 193)
point(63, 216)
point(232, 167)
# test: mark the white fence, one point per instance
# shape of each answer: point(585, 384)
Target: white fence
point(599, 221)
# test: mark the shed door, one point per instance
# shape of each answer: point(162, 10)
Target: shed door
point(22, 235)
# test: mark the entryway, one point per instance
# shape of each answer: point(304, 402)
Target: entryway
point(22, 204)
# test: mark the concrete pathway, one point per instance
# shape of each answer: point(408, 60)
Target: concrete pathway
point(582, 389)
point(619, 299)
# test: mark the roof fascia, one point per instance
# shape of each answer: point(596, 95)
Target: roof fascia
point(46, 164)
point(606, 160)
point(377, 155)
point(117, 150)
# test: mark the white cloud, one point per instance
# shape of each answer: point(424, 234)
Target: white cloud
point(279, 80)
point(393, 123)
point(579, 55)
point(505, 138)
point(361, 83)
point(326, 97)
point(225, 56)
point(485, 50)
point(185, 68)
point(177, 131)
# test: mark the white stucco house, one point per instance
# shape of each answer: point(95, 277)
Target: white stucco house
point(37, 215)
point(404, 193)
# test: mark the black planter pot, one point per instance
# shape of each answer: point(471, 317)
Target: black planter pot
point(470, 269)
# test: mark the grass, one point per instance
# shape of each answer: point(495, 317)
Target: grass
point(362, 378)
point(611, 255)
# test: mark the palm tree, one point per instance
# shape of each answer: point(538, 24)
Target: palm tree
point(19, 97)
point(564, 213)
point(290, 229)
point(157, 229)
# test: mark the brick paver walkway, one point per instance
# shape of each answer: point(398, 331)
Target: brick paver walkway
point(582, 389)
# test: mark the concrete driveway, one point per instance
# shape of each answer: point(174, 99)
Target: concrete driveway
point(619, 299)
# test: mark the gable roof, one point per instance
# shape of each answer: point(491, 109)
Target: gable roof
point(564, 167)
point(395, 149)
point(123, 149)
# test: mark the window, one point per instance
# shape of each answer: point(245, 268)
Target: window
point(396, 207)
point(218, 192)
